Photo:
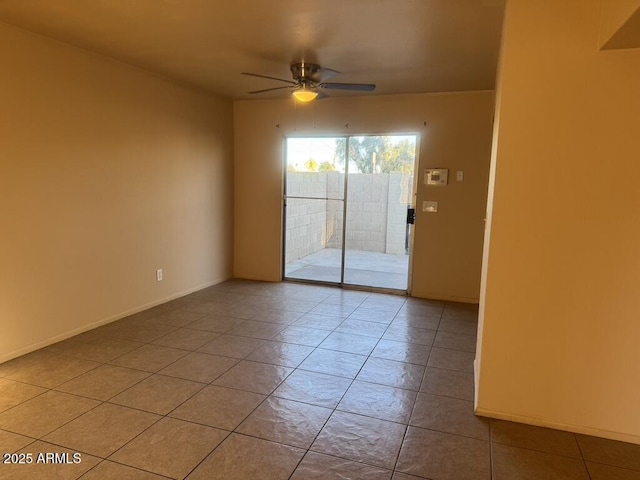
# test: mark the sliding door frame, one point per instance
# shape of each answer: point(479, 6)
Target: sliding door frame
point(413, 195)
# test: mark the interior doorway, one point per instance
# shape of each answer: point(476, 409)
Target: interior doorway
point(348, 209)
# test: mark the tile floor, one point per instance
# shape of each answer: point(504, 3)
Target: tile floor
point(250, 380)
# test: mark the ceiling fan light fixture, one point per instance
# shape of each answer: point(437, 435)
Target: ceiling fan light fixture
point(304, 95)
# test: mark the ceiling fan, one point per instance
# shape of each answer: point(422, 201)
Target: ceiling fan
point(308, 82)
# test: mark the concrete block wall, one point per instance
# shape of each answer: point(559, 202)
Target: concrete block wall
point(335, 209)
point(367, 212)
point(306, 218)
point(376, 215)
point(305, 232)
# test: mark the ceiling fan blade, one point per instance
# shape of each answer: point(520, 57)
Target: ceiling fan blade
point(270, 89)
point(324, 74)
point(358, 87)
point(271, 78)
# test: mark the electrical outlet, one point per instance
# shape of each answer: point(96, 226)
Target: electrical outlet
point(159, 275)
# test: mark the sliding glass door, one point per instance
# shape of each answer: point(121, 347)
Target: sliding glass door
point(346, 206)
point(314, 206)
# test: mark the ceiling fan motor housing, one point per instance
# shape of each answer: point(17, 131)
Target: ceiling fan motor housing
point(304, 71)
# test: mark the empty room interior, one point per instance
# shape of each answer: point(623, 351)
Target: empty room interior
point(427, 270)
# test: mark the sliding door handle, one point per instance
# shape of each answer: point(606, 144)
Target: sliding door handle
point(411, 216)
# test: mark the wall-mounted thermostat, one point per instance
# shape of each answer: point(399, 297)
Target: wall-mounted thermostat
point(436, 177)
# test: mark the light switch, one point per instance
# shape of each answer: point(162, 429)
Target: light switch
point(459, 176)
point(429, 206)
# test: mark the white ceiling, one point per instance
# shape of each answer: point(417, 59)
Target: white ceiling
point(403, 46)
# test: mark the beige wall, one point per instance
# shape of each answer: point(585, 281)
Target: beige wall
point(106, 174)
point(561, 317)
point(457, 135)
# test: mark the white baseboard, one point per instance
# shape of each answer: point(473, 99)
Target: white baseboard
point(90, 326)
point(445, 298)
point(540, 422)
